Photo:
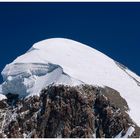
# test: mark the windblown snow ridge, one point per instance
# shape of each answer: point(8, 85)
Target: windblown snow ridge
point(129, 73)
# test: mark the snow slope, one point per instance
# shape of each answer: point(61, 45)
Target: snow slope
point(64, 61)
point(2, 97)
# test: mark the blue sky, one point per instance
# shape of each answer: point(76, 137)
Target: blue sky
point(112, 28)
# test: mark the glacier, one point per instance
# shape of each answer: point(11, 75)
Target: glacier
point(30, 78)
point(64, 61)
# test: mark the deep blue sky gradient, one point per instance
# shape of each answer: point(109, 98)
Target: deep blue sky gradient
point(112, 28)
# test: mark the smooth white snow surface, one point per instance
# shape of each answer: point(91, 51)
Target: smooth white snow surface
point(2, 97)
point(64, 61)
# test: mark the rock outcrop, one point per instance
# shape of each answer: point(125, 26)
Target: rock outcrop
point(68, 112)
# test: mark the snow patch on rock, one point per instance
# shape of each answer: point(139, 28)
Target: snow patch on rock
point(128, 133)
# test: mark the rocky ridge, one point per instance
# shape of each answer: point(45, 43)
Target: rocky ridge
point(69, 112)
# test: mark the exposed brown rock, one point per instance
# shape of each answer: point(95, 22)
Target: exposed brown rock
point(68, 112)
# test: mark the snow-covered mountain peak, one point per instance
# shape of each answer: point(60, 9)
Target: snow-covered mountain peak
point(57, 43)
point(75, 58)
point(55, 47)
point(64, 61)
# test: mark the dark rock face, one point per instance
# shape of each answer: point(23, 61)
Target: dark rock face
point(68, 112)
point(109, 121)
